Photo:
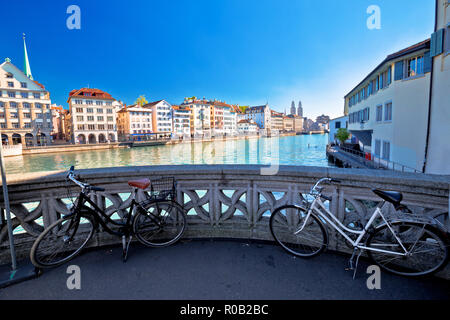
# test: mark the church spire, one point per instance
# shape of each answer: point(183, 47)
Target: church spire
point(27, 69)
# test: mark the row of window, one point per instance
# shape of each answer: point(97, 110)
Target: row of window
point(91, 110)
point(91, 102)
point(92, 118)
point(24, 95)
point(10, 84)
point(25, 105)
point(95, 127)
point(363, 115)
point(26, 115)
point(26, 125)
point(144, 125)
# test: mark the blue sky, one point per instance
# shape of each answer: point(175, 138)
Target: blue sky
point(240, 51)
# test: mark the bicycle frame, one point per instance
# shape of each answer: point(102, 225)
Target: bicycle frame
point(319, 208)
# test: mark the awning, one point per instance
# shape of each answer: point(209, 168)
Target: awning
point(365, 136)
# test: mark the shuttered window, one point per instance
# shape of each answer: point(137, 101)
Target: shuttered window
point(437, 41)
point(388, 112)
point(386, 150)
point(398, 70)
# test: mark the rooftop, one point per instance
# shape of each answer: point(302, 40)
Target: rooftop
point(89, 93)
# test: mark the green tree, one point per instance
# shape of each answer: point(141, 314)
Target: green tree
point(342, 135)
point(141, 100)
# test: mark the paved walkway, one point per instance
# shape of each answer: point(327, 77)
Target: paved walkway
point(206, 269)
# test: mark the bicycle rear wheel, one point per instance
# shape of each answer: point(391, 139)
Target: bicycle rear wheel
point(58, 244)
point(284, 224)
point(427, 250)
point(159, 223)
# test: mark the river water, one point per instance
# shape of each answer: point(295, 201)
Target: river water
point(306, 150)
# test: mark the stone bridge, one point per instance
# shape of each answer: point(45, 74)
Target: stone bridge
point(222, 201)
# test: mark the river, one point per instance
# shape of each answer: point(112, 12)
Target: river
point(306, 150)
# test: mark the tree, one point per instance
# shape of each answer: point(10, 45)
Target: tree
point(141, 100)
point(342, 135)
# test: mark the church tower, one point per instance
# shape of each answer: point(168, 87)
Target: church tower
point(299, 109)
point(293, 107)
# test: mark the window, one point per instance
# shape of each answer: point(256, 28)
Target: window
point(38, 105)
point(389, 76)
point(99, 110)
point(23, 85)
point(80, 118)
point(110, 127)
point(24, 95)
point(78, 101)
point(379, 113)
point(100, 118)
point(14, 115)
point(27, 125)
point(27, 115)
point(3, 125)
point(109, 111)
point(39, 115)
point(2, 104)
point(90, 110)
point(91, 126)
point(13, 104)
point(80, 127)
point(9, 75)
point(90, 118)
point(10, 84)
point(2, 115)
point(415, 66)
point(377, 147)
point(15, 125)
point(101, 127)
point(80, 110)
point(110, 118)
point(388, 112)
point(108, 103)
point(11, 94)
point(89, 102)
point(386, 150)
point(36, 95)
point(99, 103)
point(337, 124)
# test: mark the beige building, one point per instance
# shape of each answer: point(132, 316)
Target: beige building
point(200, 116)
point(277, 121)
point(297, 122)
point(93, 116)
point(25, 113)
point(288, 124)
point(134, 123)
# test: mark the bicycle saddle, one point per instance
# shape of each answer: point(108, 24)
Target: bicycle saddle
point(390, 196)
point(141, 183)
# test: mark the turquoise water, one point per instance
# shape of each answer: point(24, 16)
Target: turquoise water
point(306, 150)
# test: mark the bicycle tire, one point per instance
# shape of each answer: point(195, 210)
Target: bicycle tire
point(150, 233)
point(433, 249)
point(303, 244)
point(84, 234)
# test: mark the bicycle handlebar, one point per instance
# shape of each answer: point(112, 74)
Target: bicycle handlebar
point(316, 185)
point(84, 186)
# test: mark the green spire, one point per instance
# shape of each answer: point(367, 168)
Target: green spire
point(27, 69)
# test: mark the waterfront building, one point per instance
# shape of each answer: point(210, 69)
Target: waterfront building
point(25, 113)
point(300, 109)
point(161, 117)
point(288, 124)
point(58, 124)
point(200, 116)
point(92, 116)
point(276, 121)
point(261, 115)
point(322, 121)
point(223, 119)
point(388, 109)
point(181, 121)
point(297, 122)
point(437, 146)
point(334, 125)
point(134, 123)
point(247, 127)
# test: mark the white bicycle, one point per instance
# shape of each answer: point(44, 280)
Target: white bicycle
point(403, 244)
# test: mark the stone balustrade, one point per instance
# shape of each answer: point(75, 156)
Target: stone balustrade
point(222, 201)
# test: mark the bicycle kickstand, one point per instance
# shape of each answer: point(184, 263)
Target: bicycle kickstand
point(355, 267)
point(125, 246)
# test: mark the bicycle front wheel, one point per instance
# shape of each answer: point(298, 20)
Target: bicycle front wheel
point(426, 250)
point(296, 234)
point(159, 223)
point(61, 241)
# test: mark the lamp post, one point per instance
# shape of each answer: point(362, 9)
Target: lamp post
point(16, 274)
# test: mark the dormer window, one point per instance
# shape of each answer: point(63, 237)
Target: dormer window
point(9, 75)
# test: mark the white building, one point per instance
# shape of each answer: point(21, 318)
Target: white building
point(387, 110)
point(162, 116)
point(261, 115)
point(93, 116)
point(134, 123)
point(181, 121)
point(247, 127)
point(223, 119)
point(336, 124)
point(200, 116)
point(437, 146)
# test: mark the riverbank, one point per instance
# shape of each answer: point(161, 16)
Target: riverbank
point(127, 144)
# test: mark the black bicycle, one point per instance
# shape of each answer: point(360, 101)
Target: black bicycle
point(158, 221)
